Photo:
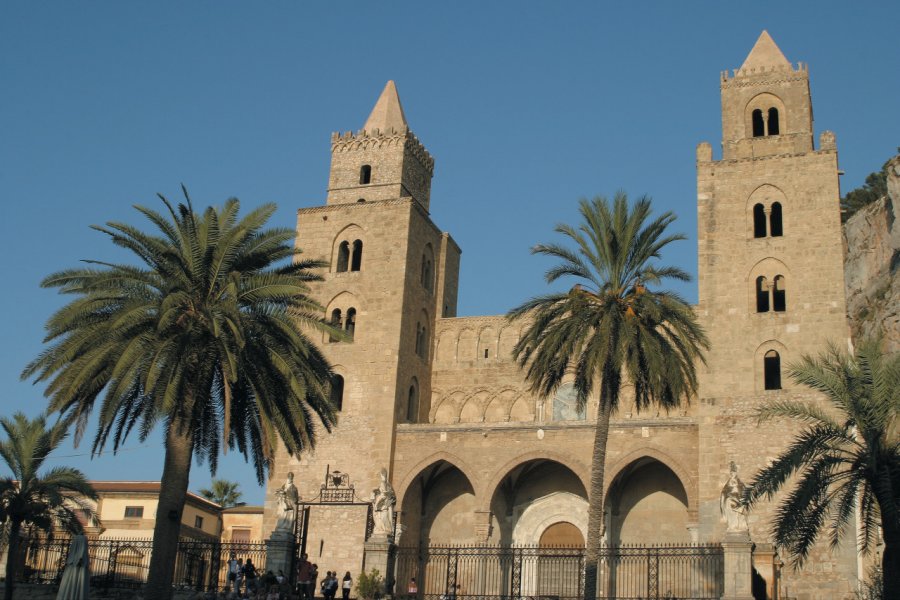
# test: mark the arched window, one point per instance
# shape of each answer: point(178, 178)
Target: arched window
point(772, 370)
point(762, 295)
point(759, 128)
point(365, 174)
point(356, 262)
point(423, 346)
point(775, 227)
point(335, 322)
point(343, 258)
point(427, 273)
point(779, 300)
point(412, 403)
point(350, 324)
point(773, 121)
point(759, 221)
point(337, 392)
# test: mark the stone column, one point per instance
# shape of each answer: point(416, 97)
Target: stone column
point(280, 553)
point(738, 550)
point(378, 555)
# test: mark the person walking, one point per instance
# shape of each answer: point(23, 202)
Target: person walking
point(234, 570)
point(313, 577)
point(250, 576)
point(304, 568)
point(239, 577)
point(346, 586)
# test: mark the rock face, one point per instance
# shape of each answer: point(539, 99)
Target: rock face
point(872, 266)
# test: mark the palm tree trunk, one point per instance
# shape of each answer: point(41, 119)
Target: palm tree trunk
point(890, 562)
point(12, 558)
point(172, 495)
point(595, 502)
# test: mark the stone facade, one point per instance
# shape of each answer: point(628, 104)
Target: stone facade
point(475, 457)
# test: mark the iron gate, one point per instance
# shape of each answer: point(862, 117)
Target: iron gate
point(557, 573)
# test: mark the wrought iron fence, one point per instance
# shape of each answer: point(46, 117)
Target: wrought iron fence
point(200, 565)
point(557, 573)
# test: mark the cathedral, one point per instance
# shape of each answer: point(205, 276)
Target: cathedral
point(436, 400)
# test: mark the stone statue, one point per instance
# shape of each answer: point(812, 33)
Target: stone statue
point(288, 500)
point(383, 501)
point(731, 503)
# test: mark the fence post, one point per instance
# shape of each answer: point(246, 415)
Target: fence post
point(517, 573)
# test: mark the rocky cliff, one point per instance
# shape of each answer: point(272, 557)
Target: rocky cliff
point(872, 265)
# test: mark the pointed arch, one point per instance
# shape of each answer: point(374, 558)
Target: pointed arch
point(688, 482)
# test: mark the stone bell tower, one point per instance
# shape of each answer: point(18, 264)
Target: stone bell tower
point(770, 258)
point(391, 274)
point(771, 287)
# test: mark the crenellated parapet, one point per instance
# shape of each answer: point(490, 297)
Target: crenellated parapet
point(348, 141)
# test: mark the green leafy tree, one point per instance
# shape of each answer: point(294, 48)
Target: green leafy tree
point(224, 493)
point(846, 455)
point(30, 499)
point(370, 586)
point(206, 335)
point(614, 323)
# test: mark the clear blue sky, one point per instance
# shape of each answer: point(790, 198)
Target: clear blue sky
point(526, 107)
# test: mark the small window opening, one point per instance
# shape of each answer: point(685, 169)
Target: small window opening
point(361, 200)
point(762, 295)
point(412, 404)
point(775, 220)
point(446, 309)
point(337, 392)
point(427, 276)
point(772, 370)
point(350, 324)
point(134, 512)
point(365, 174)
point(759, 129)
point(335, 322)
point(759, 221)
point(356, 262)
point(487, 353)
point(198, 522)
point(779, 299)
point(343, 257)
point(773, 121)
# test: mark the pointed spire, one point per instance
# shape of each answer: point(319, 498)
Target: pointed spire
point(388, 113)
point(765, 53)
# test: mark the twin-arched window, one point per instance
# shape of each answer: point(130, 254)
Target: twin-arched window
point(771, 295)
point(765, 122)
point(345, 321)
point(349, 256)
point(775, 226)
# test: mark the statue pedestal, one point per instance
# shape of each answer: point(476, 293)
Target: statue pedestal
point(280, 553)
point(738, 550)
point(378, 555)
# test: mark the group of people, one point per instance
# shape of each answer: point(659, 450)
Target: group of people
point(244, 581)
point(308, 575)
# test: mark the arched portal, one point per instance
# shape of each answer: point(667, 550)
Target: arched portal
point(647, 504)
point(534, 496)
point(438, 507)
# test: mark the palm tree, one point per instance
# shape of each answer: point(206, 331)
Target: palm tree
point(55, 498)
point(612, 324)
point(224, 493)
point(847, 455)
point(207, 334)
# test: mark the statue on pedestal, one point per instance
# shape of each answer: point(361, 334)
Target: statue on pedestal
point(731, 503)
point(383, 501)
point(288, 501)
